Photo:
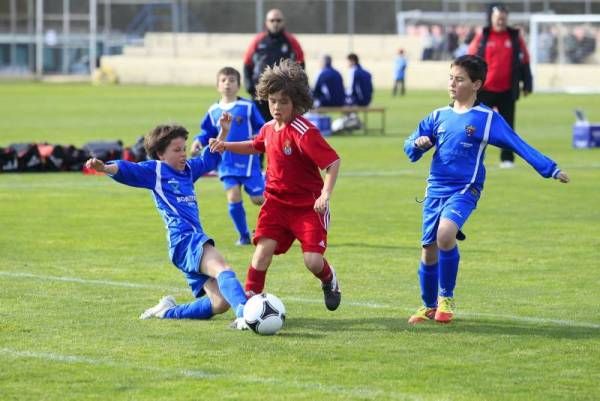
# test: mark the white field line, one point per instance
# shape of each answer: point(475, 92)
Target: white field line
point(357, 304)
point(94, 181)
point(362, 392)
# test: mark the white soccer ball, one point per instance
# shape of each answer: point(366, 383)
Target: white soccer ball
point(264, 314)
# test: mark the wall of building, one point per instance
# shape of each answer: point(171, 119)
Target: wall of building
point(194, 59)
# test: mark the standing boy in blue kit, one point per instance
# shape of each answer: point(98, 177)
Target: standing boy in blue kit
point(460, 132)
point(235, 170)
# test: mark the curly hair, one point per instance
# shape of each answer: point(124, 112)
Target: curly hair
point(157, 140)
point(289, 78)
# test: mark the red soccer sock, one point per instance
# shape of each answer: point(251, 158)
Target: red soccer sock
point(325, 275)
point(255, 280)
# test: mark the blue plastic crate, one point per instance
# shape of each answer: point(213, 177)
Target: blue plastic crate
point(321, 121)
point(586, 135)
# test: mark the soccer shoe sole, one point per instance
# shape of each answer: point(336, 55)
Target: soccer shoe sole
point(443, 317)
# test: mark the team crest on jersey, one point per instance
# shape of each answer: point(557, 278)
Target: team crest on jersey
point(287, 147)
point(174, 184)
point(470, 130)
point(284, 48)
point(239, 119)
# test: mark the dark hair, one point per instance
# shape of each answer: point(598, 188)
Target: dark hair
point(229, 71)
point(157, 140)
point(353, 57)
point(475, 66)
point(288, 77)
point(495, 7)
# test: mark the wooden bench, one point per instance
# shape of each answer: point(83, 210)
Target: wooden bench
point(362, 111)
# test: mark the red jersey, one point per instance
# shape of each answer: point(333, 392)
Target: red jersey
point(499, 57)
point(295, 156)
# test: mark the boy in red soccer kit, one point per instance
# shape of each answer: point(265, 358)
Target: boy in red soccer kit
point(296, 196)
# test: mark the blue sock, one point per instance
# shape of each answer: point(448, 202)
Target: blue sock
point(448, 261)
point(238, 215)
point(199, 309)
point(428, 278)
point(232, 291)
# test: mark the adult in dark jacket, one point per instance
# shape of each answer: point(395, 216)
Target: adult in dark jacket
point(505, 52)
point(267, 49)
point(359, 89)
point(329, 88)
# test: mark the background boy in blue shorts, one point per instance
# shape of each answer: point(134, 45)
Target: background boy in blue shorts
point(235, 170)
point(171, 179)
point(460, 132)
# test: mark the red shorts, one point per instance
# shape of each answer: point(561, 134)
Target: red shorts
point(284, 224)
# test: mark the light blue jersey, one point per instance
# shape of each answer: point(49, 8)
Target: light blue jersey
point(246, 122)
point(175, 200)
point(460, 140)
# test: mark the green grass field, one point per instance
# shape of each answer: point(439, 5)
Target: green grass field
point(82, 256)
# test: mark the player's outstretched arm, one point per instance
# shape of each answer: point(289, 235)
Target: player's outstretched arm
point(331, 174)
point(244, 147)
point(99, 166)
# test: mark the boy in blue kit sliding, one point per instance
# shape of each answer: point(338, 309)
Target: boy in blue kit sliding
point(171, 179)
point(235, 170)
point(460, 132)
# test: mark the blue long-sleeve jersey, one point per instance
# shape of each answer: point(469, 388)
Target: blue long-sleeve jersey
point(173, 192)
point(460, 140)
point(246, 122)
point(329, 88)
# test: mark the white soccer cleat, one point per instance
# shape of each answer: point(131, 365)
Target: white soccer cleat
point(239, 324)
point(160, 308)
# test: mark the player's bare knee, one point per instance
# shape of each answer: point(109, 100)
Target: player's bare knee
point(219, 305)
point(260, 261)
point(429, 254)
point(446, 235)
point(313, 261)
point(446, 241)
point(234, 195)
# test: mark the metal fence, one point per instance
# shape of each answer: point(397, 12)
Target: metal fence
point(67, 36)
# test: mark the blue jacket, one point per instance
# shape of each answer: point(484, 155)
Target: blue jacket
point(329, 89)
point(362, 87)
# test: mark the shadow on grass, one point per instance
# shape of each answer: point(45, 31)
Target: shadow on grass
point(355, 245)
point(300, 326)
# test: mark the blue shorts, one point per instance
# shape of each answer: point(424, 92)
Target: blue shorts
point(253, 185)
point(457, 208)
point(186, 256)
